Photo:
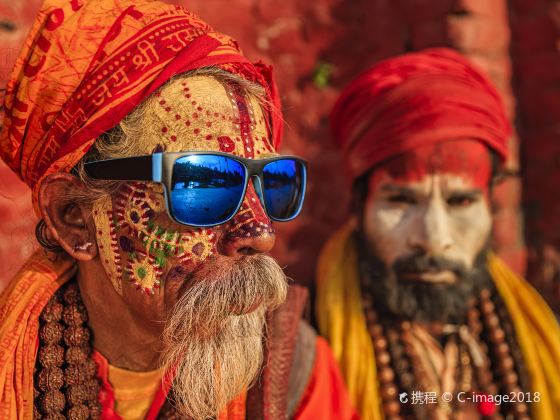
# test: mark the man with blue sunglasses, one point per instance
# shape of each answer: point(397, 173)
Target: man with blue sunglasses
point(151, 144)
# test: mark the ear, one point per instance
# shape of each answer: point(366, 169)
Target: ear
point(67, 221)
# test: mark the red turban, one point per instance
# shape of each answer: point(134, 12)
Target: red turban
point(86, 64)
point(416, 99)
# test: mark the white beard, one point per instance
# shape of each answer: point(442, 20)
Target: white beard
point(213, 337)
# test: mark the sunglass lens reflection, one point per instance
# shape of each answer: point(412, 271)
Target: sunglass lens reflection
point(206, 189)
point(283, 188)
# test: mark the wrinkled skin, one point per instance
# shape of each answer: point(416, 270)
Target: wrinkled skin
point(128, 286)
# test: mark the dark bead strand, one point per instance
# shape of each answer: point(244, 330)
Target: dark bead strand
point(515, 361)
point(484, 376)
point(385, 374)
point(66, 375)
point(49, 401)
point(403, 377)
point(500, 352)
point(82, 386)
point(393, 367)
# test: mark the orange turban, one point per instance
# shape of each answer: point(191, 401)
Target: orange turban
point(416, 99)
point(86, 64)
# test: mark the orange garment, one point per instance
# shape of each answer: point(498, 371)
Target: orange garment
point(21, 305)
point(85, 65)
point(325, 397)
point(128, 395)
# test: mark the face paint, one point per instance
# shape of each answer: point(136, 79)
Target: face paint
point(142, 245)
point(250, 220)
point(137, 240)
point(202, 113)
point(432, 201)
point(467, 159)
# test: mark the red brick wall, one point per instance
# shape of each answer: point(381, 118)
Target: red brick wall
point(535, 28)
point(318, 46)
point(17, 219)
point(347, 37)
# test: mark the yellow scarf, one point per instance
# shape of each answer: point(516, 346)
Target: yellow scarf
point(341, 320)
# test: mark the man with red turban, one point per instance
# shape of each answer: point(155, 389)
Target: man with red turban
point(424, 320)
point(150, 144)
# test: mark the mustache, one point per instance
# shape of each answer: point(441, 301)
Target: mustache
point(225, 287)
point(213, 337)
point(420, 263)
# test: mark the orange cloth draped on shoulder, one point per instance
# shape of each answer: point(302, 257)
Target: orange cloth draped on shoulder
point(20, 306)
point(342, 321)
point(86, 64)
point(325, 397)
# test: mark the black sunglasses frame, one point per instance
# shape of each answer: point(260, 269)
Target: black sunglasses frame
point(158, 167)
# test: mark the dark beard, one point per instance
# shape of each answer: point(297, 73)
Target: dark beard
point(417, 300)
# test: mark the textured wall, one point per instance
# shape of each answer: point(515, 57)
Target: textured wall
point(535, 28)
point(17, 219)
point(306, 40)
point(318, 46)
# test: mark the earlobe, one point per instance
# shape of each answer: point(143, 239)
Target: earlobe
point(66, 220)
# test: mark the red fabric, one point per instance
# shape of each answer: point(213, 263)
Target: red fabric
point(86, 65)
point(106, 394)
point(415, 99)
point(325, 397)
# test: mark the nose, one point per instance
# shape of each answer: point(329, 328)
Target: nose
point(432, 234)
point(250, 231)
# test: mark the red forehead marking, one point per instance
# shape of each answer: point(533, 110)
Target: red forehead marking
point(469, 159)
point(245, 120)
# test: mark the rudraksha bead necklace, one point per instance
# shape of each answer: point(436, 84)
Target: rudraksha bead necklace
point(394, 367)
point(66, 381)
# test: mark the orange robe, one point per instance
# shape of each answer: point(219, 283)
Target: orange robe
point(21, 305)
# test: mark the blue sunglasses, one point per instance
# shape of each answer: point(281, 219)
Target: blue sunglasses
point(204, 189)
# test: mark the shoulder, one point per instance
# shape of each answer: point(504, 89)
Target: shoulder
point(325, 394)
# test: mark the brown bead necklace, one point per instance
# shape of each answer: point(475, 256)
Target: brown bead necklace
point(399, 367)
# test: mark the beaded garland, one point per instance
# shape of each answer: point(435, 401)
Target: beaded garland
point(500, 371)
point(66, 385)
